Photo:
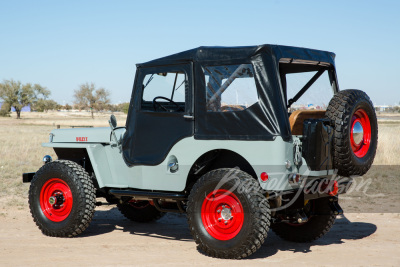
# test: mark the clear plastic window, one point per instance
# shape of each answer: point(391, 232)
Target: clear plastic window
point(316, 97)
point(163, 87)
point(230, 87)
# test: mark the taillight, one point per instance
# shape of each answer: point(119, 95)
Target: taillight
point(264, 176)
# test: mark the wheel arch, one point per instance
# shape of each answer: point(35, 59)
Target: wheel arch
point(216, 159)
point(81, 157)
point(78, 155)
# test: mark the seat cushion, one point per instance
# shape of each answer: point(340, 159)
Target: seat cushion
point(297, 118)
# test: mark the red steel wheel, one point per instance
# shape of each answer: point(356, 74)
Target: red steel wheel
point(227, 210)
point(62, 198)
point(360, 134)
point(56, 200)
point(222, 214)
point(355, 135)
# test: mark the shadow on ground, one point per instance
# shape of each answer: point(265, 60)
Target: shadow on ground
point(342, 230)
point(174, 227)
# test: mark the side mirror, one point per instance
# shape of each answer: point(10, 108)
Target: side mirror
point(113, 122)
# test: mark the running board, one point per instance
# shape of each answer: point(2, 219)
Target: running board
point(145, 194)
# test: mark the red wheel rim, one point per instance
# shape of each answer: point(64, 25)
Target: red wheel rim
point(360, 118)
point(56, 200)
point(222, 214)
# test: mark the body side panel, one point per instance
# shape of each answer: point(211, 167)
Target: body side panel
point(264, 156)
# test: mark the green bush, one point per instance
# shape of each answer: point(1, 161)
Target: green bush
point(5, 110)
point(125, 107)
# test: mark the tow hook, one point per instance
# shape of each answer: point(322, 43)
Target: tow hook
point(334, 204)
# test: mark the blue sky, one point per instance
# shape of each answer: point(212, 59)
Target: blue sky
point(61, 44)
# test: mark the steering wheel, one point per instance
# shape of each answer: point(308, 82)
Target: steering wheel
point(157, 105)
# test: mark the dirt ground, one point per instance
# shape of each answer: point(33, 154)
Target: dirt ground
point(356, 239)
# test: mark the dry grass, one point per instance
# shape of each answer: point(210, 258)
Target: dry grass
point(20, 149)
point(388, 144)
point(67, 119)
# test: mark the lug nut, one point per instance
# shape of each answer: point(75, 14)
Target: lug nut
point(226, 222)
point(219, 219)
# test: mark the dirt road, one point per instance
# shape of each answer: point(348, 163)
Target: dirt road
point(355, 240)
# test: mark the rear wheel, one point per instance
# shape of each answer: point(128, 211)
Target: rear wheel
point(355, 137)
point(321, 219)
point(227, 214)
point(62, 199)
point(140, 211)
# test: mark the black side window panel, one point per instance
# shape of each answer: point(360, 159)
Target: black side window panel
point(156, 131)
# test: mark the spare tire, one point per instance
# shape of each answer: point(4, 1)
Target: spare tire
point(355, 137)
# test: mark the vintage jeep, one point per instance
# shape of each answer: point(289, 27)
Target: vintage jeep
point(225, 135)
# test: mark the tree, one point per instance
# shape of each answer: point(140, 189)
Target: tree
point(67, 107)
point(43, 105)
point(124, 107)
point(5, 110)
point(17, 95)
point(88, 97)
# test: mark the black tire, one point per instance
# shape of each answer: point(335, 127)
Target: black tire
point(316, 227)
point(343, 109)
point(140, 211)
point(78, 198)
point(255, 217)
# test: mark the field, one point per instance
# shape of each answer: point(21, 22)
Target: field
point(376, 197)
point(20, 149)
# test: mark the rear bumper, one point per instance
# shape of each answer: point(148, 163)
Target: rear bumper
point(27, 177)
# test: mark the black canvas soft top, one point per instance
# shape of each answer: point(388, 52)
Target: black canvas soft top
point(216, 54)
point(264, 120)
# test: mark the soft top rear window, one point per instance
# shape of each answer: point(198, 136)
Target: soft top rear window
point(307, 84)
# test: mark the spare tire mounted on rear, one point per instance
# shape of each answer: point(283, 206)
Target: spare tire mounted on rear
point(355, 138)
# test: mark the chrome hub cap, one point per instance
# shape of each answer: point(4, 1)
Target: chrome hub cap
point(358, 133)
point(226, 214)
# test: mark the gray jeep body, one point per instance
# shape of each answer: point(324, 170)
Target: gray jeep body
point(140, 157)
point(214, 132)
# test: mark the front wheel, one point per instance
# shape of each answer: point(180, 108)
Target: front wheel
point(62, 199)
point(227, 214)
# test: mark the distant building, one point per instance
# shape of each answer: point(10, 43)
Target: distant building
point(382, 107)
point(24, 109)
